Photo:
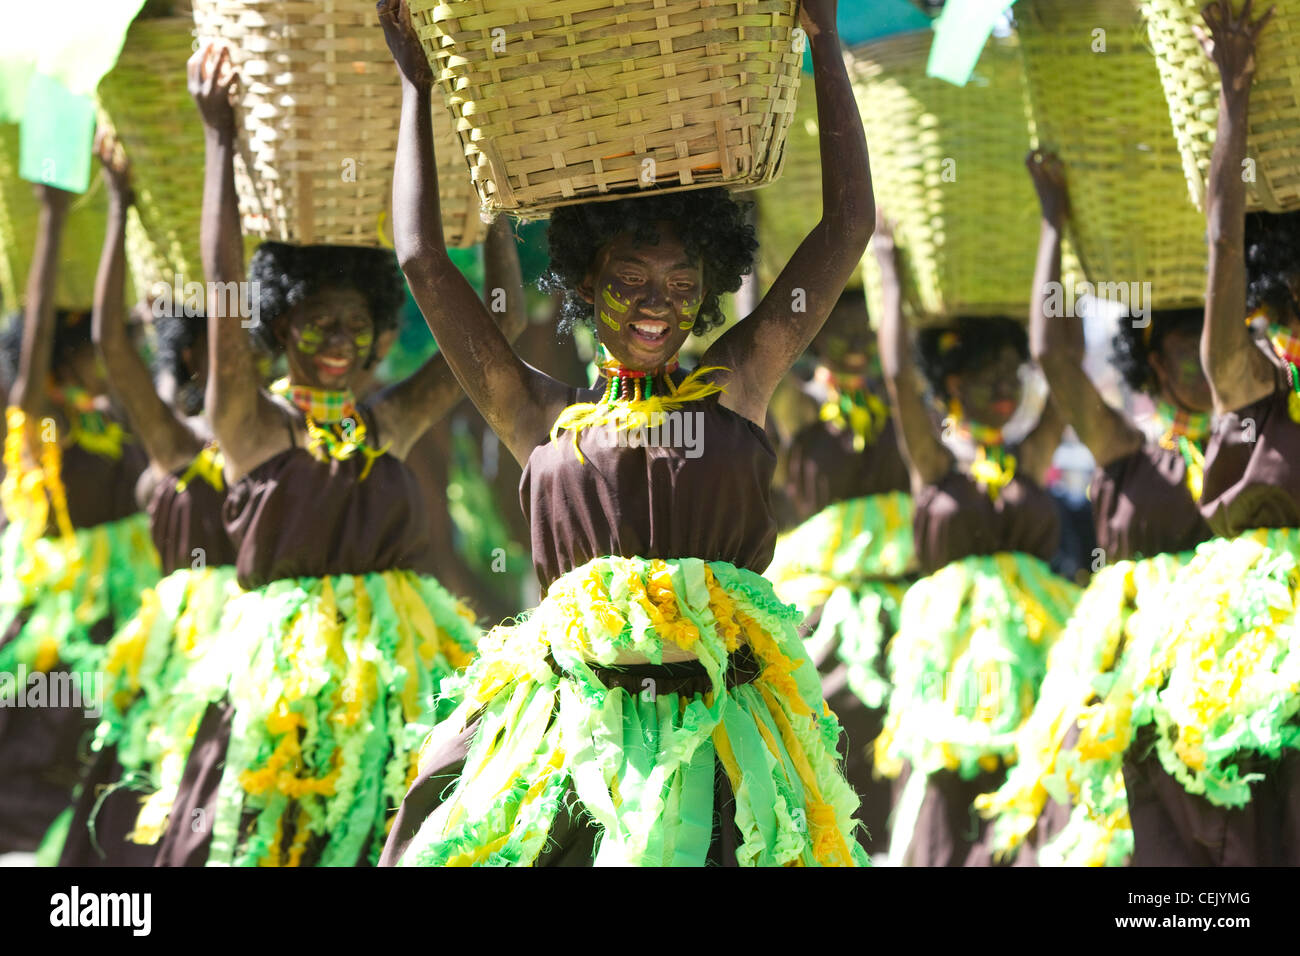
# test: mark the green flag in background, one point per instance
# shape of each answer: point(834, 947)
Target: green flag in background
point(57, 131)
point(49, 68)
point(960, 33)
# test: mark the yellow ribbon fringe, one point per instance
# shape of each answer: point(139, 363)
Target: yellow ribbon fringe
point(629, 415)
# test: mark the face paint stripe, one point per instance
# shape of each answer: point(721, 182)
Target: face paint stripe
point(608, 320)
point(613, 301)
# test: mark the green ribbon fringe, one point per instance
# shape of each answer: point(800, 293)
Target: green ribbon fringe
point(641, 766)
point(59, 608)
point(278, 657)
point(967, 661)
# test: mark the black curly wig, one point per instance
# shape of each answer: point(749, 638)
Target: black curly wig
point(713, 226)
point(1272, 258)
point(966, 344)
point(173, 334)
point(71, 333)
point(288, 275)
point(1133, 347)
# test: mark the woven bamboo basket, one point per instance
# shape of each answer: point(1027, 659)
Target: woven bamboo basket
point(789, 208)
point(83, 235)
point(318, 123)
point(146, 100)
point(948, 167)
point(1104, 113)
point(1191, 84)
point(574, 100)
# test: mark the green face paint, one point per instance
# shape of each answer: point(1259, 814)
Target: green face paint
point(612, 303)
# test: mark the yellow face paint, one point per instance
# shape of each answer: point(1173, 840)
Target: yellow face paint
point(612, 303)
point(689, 310)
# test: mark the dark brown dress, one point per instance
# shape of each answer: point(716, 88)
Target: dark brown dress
point(181, 523)
point(290, 517)
point(955, 519)
point(651, 502)
point(1252, 480)
point(1141, 506)
point(824, 468)
point(40, 747)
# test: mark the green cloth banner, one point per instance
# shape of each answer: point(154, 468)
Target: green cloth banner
point(57, 129)
point(863, 22)
point(49, 69)
point(960, 33)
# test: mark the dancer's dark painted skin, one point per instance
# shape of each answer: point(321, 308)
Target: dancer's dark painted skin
point(655, 288)
point(989, 395)
point(1240, 373)
point(170, 438)
point(248, 421)
point(1056, 342)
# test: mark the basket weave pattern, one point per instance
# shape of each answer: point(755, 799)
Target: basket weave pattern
point(1191, 84)
point(789, 208)
point(564, 101)
point(318, 123)
point(147, 101)
point(1105, 114)
point(947, 164)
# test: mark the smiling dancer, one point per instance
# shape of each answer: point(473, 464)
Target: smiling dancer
point(973, 635)
point(658, 706)
point(75, 556)
point(341, 640)
point(1144, 498)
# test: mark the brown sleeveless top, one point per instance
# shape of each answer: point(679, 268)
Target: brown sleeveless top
point(824, 467)
point(181, 522)
point(653, 502)
point(955, 519)
point(100, 489)
point(1141, 506)
point(1252, 467)
point(293, 516)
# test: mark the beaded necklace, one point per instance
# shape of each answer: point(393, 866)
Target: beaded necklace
point(633, 399)
point(1287, 347)
point(850, 406)
point(994, 467)
point(335, 430)
point(1185, 432)
point(87, 425)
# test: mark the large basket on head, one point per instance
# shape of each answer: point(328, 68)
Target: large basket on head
point(1097, 101)
point(948, 167)
point(574, 100)
point(146, 99)
point(317, 123)
point(1191, 84)
point(83, 235)
point(789, 208)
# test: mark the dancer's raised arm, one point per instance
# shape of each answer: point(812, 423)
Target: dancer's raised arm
point(761, 349)
point(407, 409)
point(1056, 341)
point(244, 419)
point(169, 440)
point(518, 402)
point(29, 387)
point(1238, 371)
point(928, 459)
